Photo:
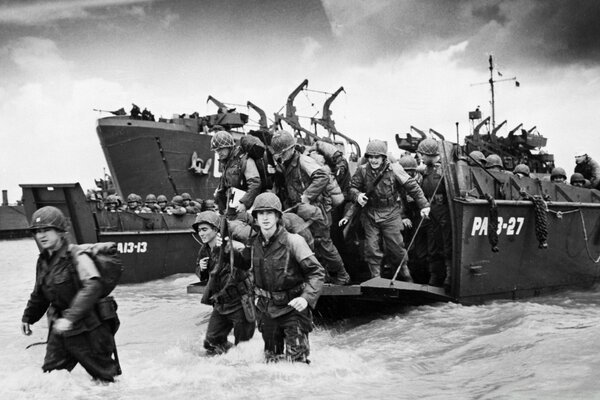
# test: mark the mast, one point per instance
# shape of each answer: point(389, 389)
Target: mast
point(492, 89)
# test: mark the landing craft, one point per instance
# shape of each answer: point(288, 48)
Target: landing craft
point(512, 237)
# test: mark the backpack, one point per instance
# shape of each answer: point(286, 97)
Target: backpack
point(255, 149)
point(106, 258)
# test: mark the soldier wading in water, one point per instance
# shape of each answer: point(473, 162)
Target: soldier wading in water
point(288, 281)
point(229, 290)
point(69, 289)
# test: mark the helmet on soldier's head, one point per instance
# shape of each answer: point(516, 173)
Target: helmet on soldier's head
point(209, 204)
point(139, 198)
point(211, 218)
point(161, 199)
point(558, 172)
point(186, 196)
point(111, 199)
point(521, 169)
point(151, 198)
point(220, 140)
point(132, 197)
point(477, 156)
point(408, 162)
point(282, 141)
point(177, 201)
point(376, 148)
point(48, 217)
point(493, 160)
point(326, 139)
point(266, 201)
point(577, 178)
point(428, 147)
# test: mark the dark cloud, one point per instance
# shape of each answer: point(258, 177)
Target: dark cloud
point(529, 31)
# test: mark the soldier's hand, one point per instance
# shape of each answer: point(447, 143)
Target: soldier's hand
point(241, 208)
point(218, 240)
point(203, 264)
point(343, 221)
point(406, 223)
point(298, 303)
point(62, 325)
point(425, 212)
point(25, 328)
point(362, 199)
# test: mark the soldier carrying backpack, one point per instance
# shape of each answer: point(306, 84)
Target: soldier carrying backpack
point(72, 283)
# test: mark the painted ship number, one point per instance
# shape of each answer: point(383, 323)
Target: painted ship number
point(132, 247)
point(511, 227)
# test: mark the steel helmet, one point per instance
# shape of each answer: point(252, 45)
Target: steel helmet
point(48, 217)
point(186, 196)
point(150, 198)
point(132, 197)
point(211, 218)
point(580, 153)
point(111, 199)
point(282, 141)
point(493, 160)
point(209, 204)
point(477, 156)
point(376, 148)
point(220, 140)
point(577, 178)
point(408, 162)
point(558, 172)
point(428, 147)
point(521, 169)
point(162, 199)
point(177, 201)
point(266, 201)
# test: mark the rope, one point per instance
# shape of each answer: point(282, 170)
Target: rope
point(585, 237)
point(541, 221)
point(493, 223)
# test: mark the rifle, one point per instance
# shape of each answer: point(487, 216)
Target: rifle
point(369, 193)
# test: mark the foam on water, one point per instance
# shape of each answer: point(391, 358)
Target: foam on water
point(545, 348)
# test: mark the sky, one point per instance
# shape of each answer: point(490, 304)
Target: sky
point(401, 63)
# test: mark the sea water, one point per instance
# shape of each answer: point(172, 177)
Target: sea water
point(546, 348)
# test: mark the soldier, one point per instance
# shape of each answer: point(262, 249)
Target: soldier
point(439, 229)
point(476, 157)
point(69, 289)
point(493, 162)
point(306, 184)
point(151, 203)
point(578, 180)
point(133, 203)
point(225, 290)
point(190, 205)
point(176, 207)
point(375, 186)
point(162, 203)
point(558, 175)
point(288, 281)
point(210, 205)
point(112, 203)
point(521, 171)
point(239, 172)
point(589, 168)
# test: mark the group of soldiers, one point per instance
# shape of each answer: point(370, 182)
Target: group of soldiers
point(179, 204)
point(586, 173)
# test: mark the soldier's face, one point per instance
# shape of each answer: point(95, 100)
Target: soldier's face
point(206, 232)
point(223, 153)
point(48, 238)
point(375, 161)
point(267, 220)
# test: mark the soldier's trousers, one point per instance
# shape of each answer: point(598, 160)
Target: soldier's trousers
point(325, 251)
point(287, 332)
point(439, 242)
point(219, 326)
point(93, 350)
point(388, 232)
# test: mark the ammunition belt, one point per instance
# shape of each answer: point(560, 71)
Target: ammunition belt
point(382, 203)
point(280, 297)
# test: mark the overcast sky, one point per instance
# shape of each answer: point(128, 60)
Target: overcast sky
point(401, 63)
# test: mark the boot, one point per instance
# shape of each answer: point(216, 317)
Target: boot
point(404, 274)
point(341, 278)
point(435, 274)
point(375, 270)
point(447, 279)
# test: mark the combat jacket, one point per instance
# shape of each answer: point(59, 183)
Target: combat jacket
point(590, 169)
point(67, 289)
point(239, 172)
point(431, 180)
point(225, 287)
point(284, 268)
point(342, 174)
point(304, 176)
point(384, 198)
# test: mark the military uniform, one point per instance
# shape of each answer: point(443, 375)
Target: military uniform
point(72, 291)
point(381, 216)
point(590, 169)
point(223, 291)
point(284, 268)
